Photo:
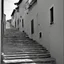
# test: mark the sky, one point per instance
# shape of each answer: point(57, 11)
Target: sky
point(8, 7)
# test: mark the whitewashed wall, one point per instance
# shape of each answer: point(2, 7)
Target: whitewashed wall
point(21, 13)
point(52, 35)
point(14, 17)
point(32, 15)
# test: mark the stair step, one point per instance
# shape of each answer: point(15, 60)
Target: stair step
point(45, 60)
point(27, 46)
point(26, 57)
point(31, 52)
point(16, 55)
point(21, 50)
point(28, 53)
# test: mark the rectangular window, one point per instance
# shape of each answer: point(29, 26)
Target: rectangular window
point(32, 26)
point(15, 23)
point(40, 34)
point(22, 22)
point(18, 21)
point(17, 10)
point(51, 16)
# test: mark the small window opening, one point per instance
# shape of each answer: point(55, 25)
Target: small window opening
point(32, 26)
point(40, 34)
point(22, 22)
point(52, 16)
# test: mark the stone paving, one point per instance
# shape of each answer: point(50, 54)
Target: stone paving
point(18, 48)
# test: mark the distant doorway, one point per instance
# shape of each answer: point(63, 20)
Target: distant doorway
point(15, 24)
point(23, 23)
point(18, 24)
point(32, 26)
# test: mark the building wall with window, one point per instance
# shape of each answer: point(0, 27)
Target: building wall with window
point(31, 22)
point(17, 19)
point(27, 17)
point(13, 19)
point(52, 30)
point(47, 25)
point(21, 15)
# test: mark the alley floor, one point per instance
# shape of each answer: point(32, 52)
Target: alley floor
point(18, 48)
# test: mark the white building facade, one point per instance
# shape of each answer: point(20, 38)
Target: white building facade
point(4, 21)
point(42, 20)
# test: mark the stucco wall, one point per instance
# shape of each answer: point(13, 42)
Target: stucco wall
point(15, 18)
point(32, 14)
point(21, 14)
point(52, 35)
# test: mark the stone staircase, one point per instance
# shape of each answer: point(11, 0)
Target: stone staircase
point(18, 48)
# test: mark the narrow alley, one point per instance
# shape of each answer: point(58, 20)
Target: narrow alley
point(32, 32)
point(18, 48)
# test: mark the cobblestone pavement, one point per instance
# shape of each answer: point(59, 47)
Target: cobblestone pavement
point(18, 48)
